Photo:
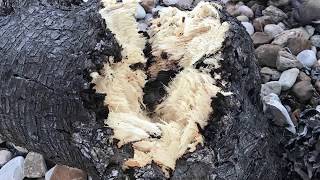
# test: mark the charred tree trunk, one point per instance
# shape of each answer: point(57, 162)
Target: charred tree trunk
point(48, 49)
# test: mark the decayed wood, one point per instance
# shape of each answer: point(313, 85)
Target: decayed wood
point(47, 103)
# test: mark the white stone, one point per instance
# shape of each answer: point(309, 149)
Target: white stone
point(245, 10)
point(140, 12)
point(34, 165)
point(49, 174)
point(156, 9)
point(316, 40)
point(288, 78)
point(243, 18)
point(307, 58)
point(318, 108)
point(310, 30)
point(249, 27)
point(272, 105)
point(5, 156)
point(282, 25)
point(13, 170)
point(314, 49)
point(273, 29)
point(270, 87)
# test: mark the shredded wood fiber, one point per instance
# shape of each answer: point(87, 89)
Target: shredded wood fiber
point(186, 37)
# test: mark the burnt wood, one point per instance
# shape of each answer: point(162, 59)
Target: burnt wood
point(47, 104)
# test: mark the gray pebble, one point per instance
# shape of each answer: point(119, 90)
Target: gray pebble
point(288, 78)
point(307, 58)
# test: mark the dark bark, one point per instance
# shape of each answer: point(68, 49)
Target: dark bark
point(240, 143)
point(46, 54)
point(48, 49)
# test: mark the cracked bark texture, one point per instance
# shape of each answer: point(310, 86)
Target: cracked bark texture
point(49, 47)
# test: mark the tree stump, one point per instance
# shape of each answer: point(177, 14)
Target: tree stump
point(49, 104)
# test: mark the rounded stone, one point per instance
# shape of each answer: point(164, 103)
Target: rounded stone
point(282, 25)
point(148, 5)
point(282, 38)
point(13, 170)
point(303, 77)
point(307, 58)
point(34, 165)
point(303, 90)
point(270, 87)
point(140, 12)
point(243, 18)
point(5, 156)
point(310, 30)
point(288, 78)
point(260, 22)
point(64, 172)
point(249, 27)
point(286, 60)
point(276, 13)
point(296, 45)
point(316, 40)
point(260, 38)
point(245, 10)
point(273, 29)
point(267, 55)
point(268, 74)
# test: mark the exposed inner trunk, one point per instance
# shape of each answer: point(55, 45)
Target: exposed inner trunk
point(180, 40)
point(47, 103)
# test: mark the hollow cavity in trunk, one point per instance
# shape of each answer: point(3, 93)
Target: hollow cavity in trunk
point(179, 40)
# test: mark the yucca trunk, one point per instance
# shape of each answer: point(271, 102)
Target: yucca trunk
point(48, 50)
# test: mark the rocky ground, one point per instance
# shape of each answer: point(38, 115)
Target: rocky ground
point(17, 163)
point(287, 42)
